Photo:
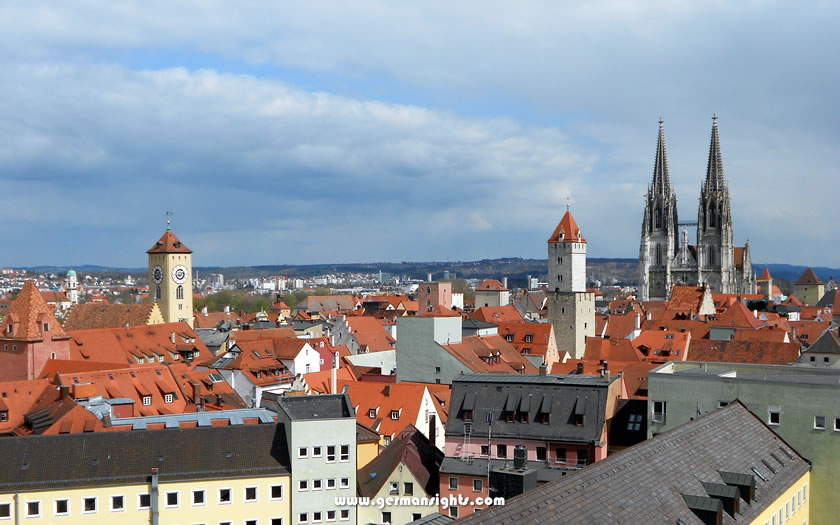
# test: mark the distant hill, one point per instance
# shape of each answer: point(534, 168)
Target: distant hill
point(607, 270)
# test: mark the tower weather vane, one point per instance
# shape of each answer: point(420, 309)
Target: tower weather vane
point(168, 221)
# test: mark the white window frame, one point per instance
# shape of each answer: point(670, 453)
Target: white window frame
point(317, 451)
point(333, 481)
point(111, 502)
point(451, 485)
point(26, 508)
point(316, 519)
point(342, 457)
point(147, 401)
point(166, 503)
point(303, 485)
point(770, 417)
point(344, 483)
point(95, 504)
point(271, 520)
point(303, 452)
point(334, 455)
point(204, 498)
point(168, 398)
point(55, 511)
point(254, 521)
point(818, 427)
point(334, 516)
point(320, 484)
point(303, 517)
point(341, 515)
point(394, 488)
point(245, 494)
point(219, 496)
point(282, 493)
point(662, 415)
point(139, 501)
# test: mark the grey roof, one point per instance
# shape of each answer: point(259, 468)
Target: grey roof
point(110, 458)
point(211, 337)
point(476, 324)
point(328, 406)
point(433, 519)
point(498, 395)
point(751, 372)
point(478, 467)
point(827, 343)
point(656, 481)
point(203, 419)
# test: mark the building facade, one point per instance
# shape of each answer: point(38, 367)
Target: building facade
point(666, 258)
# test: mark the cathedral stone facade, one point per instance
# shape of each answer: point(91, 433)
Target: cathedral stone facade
point(666, 258)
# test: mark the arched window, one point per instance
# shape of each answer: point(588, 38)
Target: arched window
point(659, 255)
point(179, 292)
point(157, 292)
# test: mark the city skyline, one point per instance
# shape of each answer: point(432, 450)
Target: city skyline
point(377, 132)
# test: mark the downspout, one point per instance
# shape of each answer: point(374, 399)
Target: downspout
point(154, 497)
point(17, 510)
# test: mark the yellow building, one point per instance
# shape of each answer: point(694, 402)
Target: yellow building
point(367, 445)
point(809, 287)
point(170, 278)
point(212, 475)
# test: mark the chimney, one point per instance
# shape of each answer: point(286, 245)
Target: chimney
point(543, 369)
point(432, 429)
point(334, 375)
point(387, 390)
point(638, 324)
point(504, 282)
point(648, 316)
point(429, 277)
point(580, 368)
point(196, 393)
point(63, 391)
point(227, 310)
point(204, 311)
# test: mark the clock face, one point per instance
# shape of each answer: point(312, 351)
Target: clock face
point(157, 274)
point(179, 274)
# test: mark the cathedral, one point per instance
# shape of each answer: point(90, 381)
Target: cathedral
point(666, 258)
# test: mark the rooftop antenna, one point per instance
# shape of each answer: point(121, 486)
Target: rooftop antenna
point(168, 221)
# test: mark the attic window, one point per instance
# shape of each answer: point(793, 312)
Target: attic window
point(529, 338)
point(147, 401)
point(509, 338)
point(4, 415)
point(579, 420)
point(395, 415)
point(372, 413)
point(167, 398)
point(46, 327)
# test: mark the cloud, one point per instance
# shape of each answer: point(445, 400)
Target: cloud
point(442, 130)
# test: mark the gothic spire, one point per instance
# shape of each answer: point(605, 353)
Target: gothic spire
point(661, 178)
point(714, 169)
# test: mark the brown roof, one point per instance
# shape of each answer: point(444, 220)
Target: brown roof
point(757, 352)
point(809, 277)
point(498, 314)
point(169, 243)
point(766, 275)
point(30, 310)
point(569, 230)
point(738, 255)
point(490, 354)
point(55, 297)
point(491, 284)
point(98, 315)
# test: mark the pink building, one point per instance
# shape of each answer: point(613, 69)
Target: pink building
point(431, 295)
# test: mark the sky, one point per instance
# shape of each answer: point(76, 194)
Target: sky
point(367, 131)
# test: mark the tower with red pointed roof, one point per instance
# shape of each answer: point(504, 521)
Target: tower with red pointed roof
point(571, 308)
point(170, 278)
point(30, 336)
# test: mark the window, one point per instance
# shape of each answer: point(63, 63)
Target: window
point(395, 415)
point(372, 413)
point(330, 483)
point(303, 485)
point(157, 292)
point(501, 451)
point(317, 484)
point(453, 483)
point(437, 369)
point(345, 452)
point(179, 292)
point(317, 517)
point(276, 521)
point(722, 404)
point(837, 424)
point(415, 516)
point(394, 488)
point(144, 501)
point(509, 338)
point(88, 505)
point(467, 415)
point(250, 522)
point(224, 496)
point(117, 503)
point(345, 514)
point(386, 517)
point(485, 450)
point(386, 440)
point(250, 494)
point(167, 398)
point(62, 508)
point(33, 509)
point(4, 415)
point(172, 499)
point(5, 510)
point(453, 512)
point(331, 454)
point(659, 408)
point(634, 424)
point(560, 454)
point(819, 422)
point(529, 338)
point(541, 453)
point(775, 417)
point(303, 452)
point(276, 492)
point(303, 517)
point(345, 483)
point(147, 400)
point(478, 485)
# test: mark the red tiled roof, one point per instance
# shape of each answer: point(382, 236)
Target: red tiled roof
point(685, 299)
point(738, 316)
point(98, 315)
point(370, 333)
point(620, 326)
point(405, 399)
point(51, 296)
point(472, 351)
point(319, 382)
point(809, 331)
point(128, 345)
point(169, 243)
point(490, 285)
point(440, 311)
point(31, 311)
point(17, 398)
point(766, 275)
point(518, 334)
point(661, 346)
point(808, 277)
point(744, 352)
point(569, 230)
point(497, 314)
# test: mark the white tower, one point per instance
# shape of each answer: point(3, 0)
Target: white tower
point(72, 287)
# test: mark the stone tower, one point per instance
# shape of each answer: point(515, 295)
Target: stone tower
point(571, 308)
point(715, 247)
point(658, 246)
point(72, 287)
point(170, 278)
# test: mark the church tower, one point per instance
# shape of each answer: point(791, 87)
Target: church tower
point(715, 250)
point(170, 278)
point(659, 229)
point(72, 287)
point(571, 308)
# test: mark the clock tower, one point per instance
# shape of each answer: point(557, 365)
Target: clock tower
point(170, 278)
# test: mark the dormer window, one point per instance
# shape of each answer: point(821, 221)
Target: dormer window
point(9, 328)
point(395, 415)
point(529, 338)
point(147, 401)
point(46, 327)
point(4, 415)
point(509, 338)
point(167, 398)
point(579, 420)
point(372, 413)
